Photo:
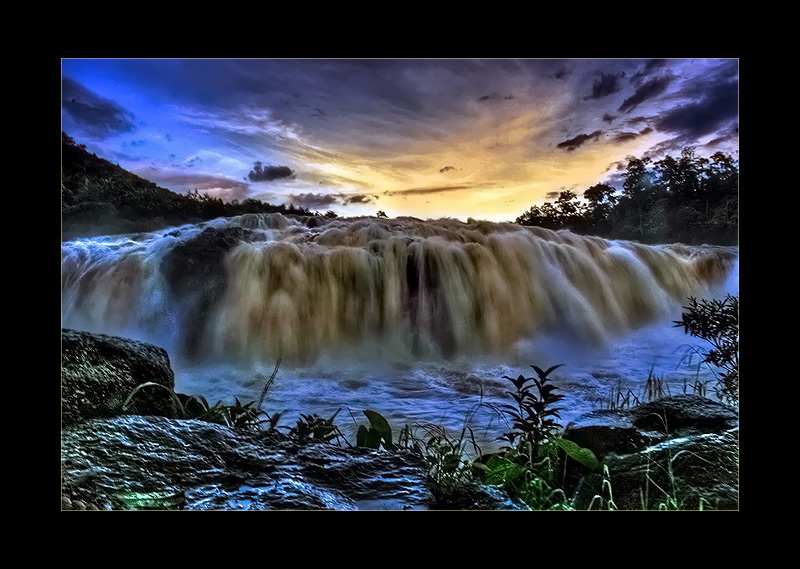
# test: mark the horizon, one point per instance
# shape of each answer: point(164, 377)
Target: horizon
point(427, 138)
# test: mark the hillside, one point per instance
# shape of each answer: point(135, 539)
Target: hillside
point(101, 198)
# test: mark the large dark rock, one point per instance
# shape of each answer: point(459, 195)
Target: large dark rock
point(686, 473)
point(99, 372)
point(194, 270)
point(679, 452)
point(627, 430)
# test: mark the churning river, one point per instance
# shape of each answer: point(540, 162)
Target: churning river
point(418, 320)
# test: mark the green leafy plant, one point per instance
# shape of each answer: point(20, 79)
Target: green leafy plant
point(717, 322)
point(533, 417)
point(318, 428)
point(451, 474)
point(378, 434)
point(529, 467)
point(238, 415)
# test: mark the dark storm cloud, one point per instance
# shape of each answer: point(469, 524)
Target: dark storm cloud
point(429, 190)
point(446, 169)
point(269, 173)
point(96, 115)
point(717, 108)
point(579, 140)
point(628, 136)
point(318, 200)
point(648, 68)
point(495, 97)
point(606, 84)
point(313, 200)
point(359, 199)
point(647, 91)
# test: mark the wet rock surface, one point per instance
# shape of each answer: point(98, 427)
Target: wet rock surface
point(148, 462)
point(99, 372)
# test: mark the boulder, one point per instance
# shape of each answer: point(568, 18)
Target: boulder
point(680, 452)
point(99, 372)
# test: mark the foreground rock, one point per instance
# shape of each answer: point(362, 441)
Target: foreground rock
point(99, 372)
point(146, 462)
point(676, 453)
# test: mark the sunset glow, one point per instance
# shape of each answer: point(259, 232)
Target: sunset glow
point(421, 137)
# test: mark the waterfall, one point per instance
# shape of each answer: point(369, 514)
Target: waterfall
point(256, 287)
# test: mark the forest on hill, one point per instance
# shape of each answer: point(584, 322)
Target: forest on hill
point(689, 199)
point(99, 197)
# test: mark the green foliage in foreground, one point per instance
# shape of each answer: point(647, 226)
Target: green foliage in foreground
point(529, 467)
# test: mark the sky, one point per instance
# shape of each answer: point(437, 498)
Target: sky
point(429, 138)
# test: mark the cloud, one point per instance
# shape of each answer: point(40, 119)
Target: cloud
point(495, 97)
point(446, 169)
point(312, 200)
point(97, 116)
point(649, 90)
point(716, 109)
point(606, 84)
point(429, 190)
point(360, 199)
point(579, 140)
point(180, 182)
point(317, 200)
point(648, 68)
point(269, 173)
point(628, 136)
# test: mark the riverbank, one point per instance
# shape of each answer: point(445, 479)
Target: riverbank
point(127, 444)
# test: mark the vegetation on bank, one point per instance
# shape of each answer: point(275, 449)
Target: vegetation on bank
point(688, 199)
point(99, 196)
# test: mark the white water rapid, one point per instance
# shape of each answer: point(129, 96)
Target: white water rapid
point(418, 320)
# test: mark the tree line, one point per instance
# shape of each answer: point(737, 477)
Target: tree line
point(687, 199)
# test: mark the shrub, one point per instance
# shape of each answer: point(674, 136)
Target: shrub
point(717, 322)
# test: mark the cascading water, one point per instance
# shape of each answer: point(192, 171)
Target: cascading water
point(418, 320)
